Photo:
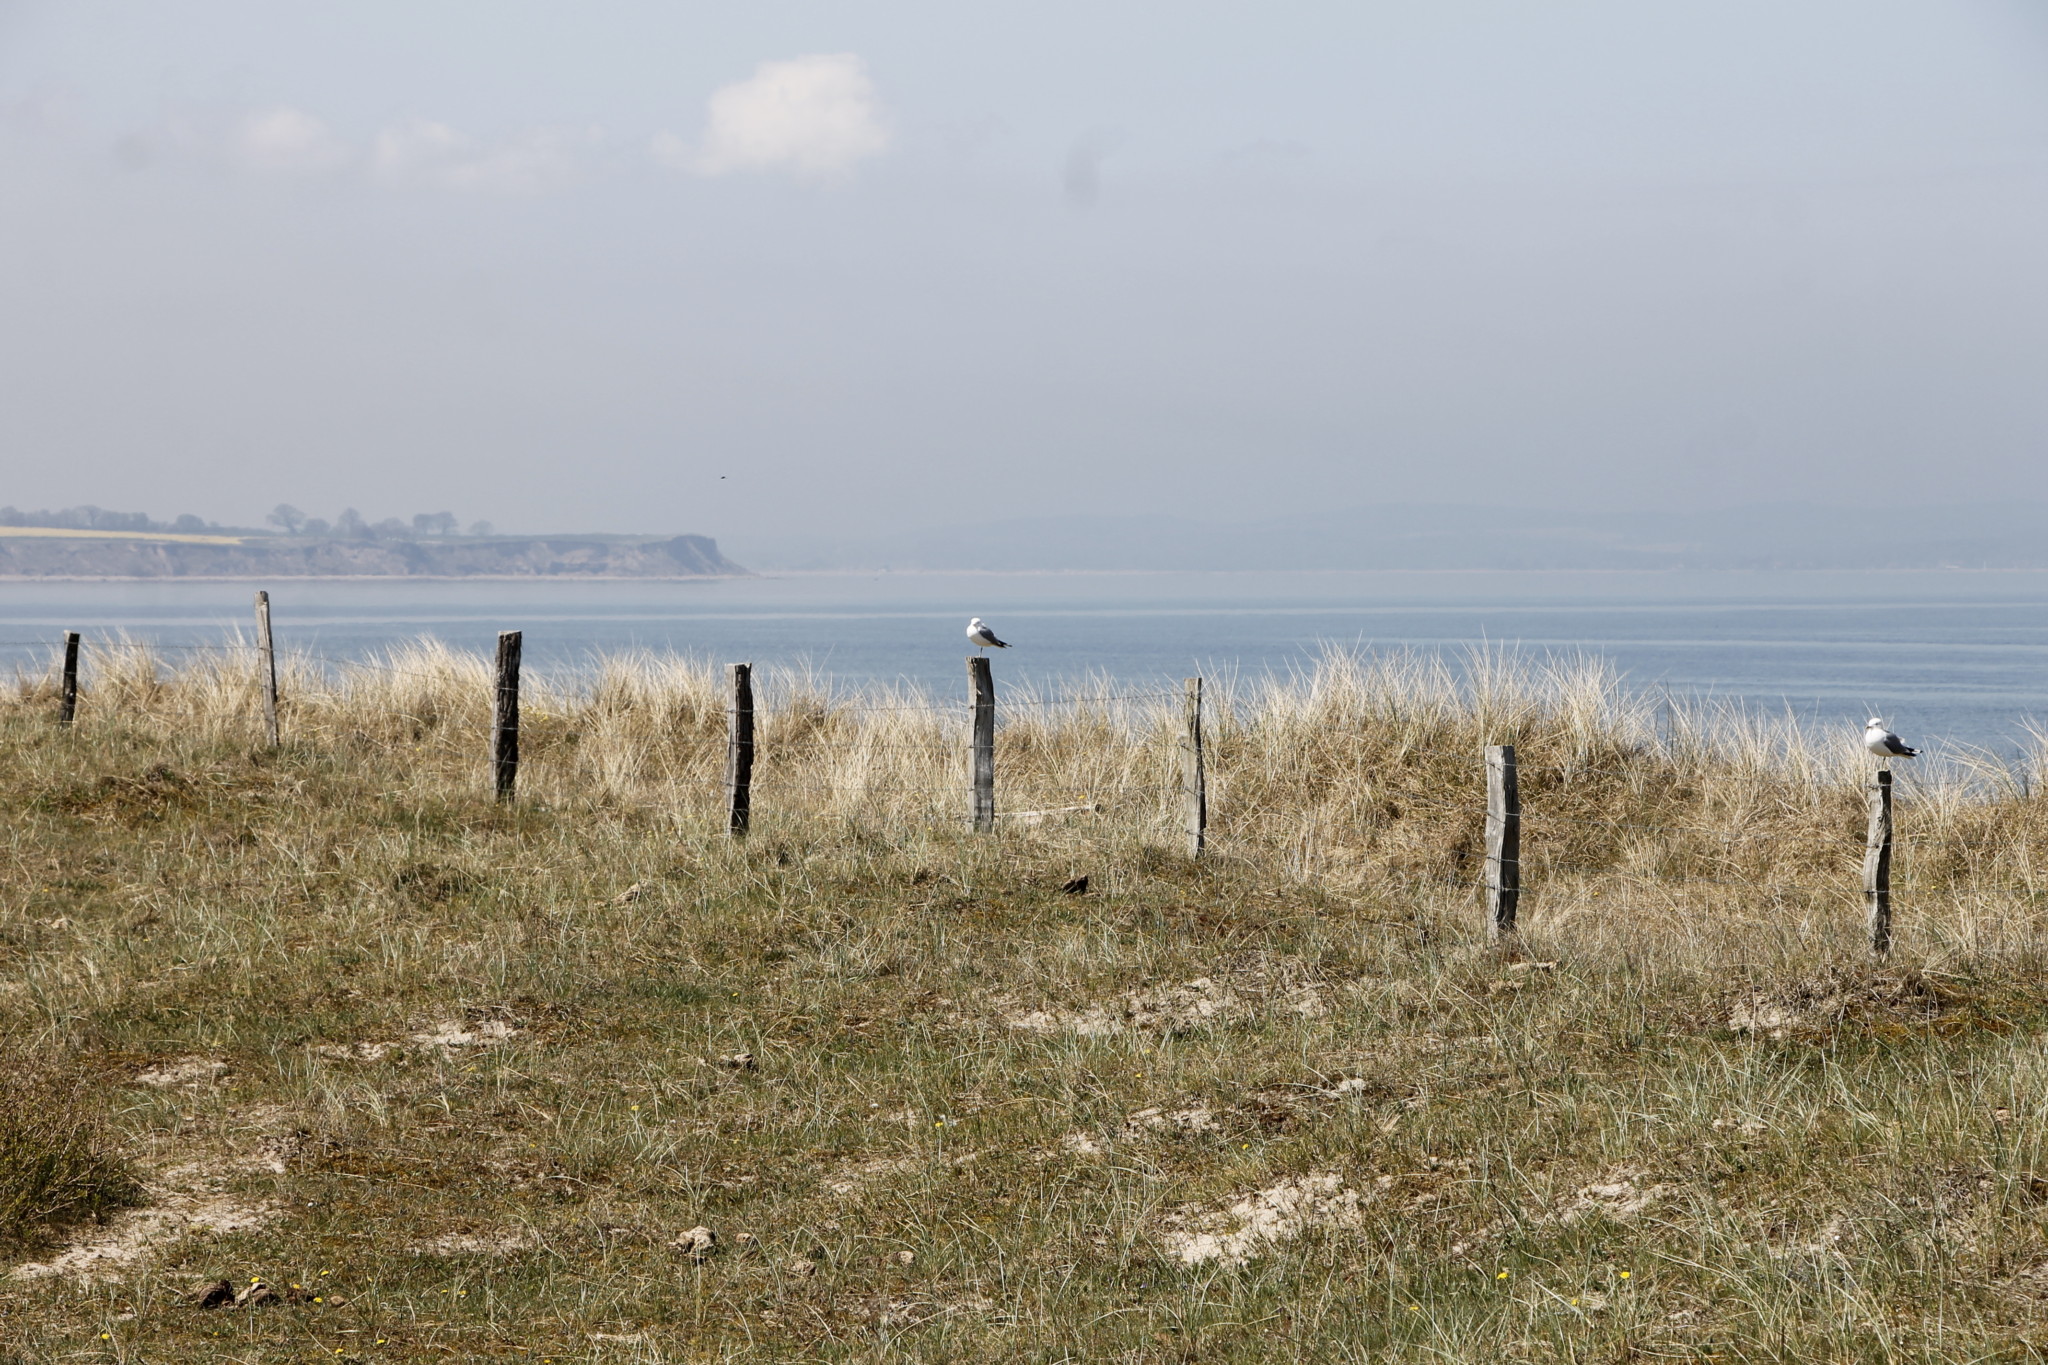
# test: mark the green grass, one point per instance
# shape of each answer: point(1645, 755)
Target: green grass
point(1680, 1120)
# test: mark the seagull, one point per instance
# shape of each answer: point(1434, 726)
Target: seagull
point(981, 637)
point(1883, 742)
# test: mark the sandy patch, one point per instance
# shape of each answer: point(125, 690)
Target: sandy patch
point(187, 1073)
point(853, 1178)
point(1157, 1123)
point(187, 1197)
point(353, 1052)
point(1263, 1219)
point(913, 1312)
point(1305, 1001)
point(451, 1034)
point(497, 1242)
point(1168, 1008)
point(132, 1236)
point(1620, 1196)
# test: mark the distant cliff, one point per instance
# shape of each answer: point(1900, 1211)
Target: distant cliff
point(55, 555)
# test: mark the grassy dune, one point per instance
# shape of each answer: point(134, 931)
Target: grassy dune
point(582, 1079)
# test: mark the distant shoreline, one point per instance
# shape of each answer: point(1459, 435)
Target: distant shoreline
point(382, 578)
point(39, 556)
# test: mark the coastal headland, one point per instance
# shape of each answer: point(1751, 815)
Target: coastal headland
point(43, 552)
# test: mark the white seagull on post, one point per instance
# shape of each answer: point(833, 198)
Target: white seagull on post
point(981, 637)
point(1883, 742)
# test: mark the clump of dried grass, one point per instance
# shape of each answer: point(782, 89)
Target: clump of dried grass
point(57, 1165)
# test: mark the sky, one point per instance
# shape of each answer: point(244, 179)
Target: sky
point(791, 270)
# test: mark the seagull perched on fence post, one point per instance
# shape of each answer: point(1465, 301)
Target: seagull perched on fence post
point(981, 637)
point(1883, 742)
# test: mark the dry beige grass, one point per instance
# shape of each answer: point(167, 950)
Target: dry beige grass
point(482, 1082)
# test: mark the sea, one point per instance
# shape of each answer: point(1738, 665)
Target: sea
point(1956, 659)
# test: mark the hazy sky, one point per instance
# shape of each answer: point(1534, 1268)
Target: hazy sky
point(763, 270)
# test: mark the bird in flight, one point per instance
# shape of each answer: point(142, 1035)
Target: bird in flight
point(981, 637)
point(1883, 742)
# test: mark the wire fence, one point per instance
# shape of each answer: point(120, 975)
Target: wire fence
point(964, 735)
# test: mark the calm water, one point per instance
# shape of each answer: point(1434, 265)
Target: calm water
point(1950, 656)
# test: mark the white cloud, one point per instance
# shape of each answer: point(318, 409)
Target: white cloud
point(537, 162)
point(813, 117)
point(417, 150)
point(413, 153)
point(289, 140)
point(425, 153)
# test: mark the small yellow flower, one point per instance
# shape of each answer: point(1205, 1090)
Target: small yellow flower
point(1502, 1276)
point(1415, 1308)
point(1624, 1274)
point(106, 1336)
point(636, 1108)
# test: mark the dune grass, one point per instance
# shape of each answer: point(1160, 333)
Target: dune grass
point(463, 1082)
point(57, 1164)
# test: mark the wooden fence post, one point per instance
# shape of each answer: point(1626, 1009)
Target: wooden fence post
point(739, 751)
point(505, 716)
point(267, 648)
point(67, 696)
point(1877, 865)
point(1194, 788)
point(1503, 840)
point(982, 683)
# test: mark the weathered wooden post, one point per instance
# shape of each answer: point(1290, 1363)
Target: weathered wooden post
point(267, 665)
point(1194, 789)
point(1877, 865)
point(505, 716)
point(739, 751)
point(67, 692)
point(1503, 840)
point(981, 682)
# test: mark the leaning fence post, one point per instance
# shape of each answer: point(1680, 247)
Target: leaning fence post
point(1194, 789)
point(1877, 865)
point(268, 664)
point(1503, 840)
point(739, 751)
point(505, 716)
point(981, 682)
point(67, 696)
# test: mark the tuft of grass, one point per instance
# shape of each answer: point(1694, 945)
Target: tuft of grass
point(58, 1164)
